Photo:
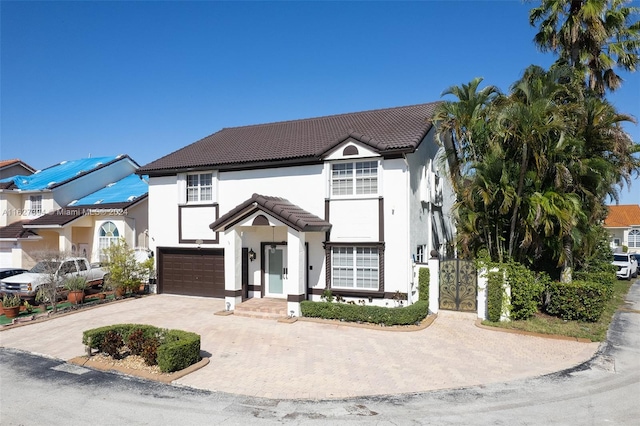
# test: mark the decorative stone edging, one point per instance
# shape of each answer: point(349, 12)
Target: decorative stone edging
point(86, 361)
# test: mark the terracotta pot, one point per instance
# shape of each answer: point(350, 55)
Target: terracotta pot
point(11, 312)
point(76, 296)
point(120, 291)
point(101, 296)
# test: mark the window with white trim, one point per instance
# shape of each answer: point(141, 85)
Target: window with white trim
point(108, 235)
point(35, 205)
point(355, 267)
point(357, 178)
point(199, 187)
point(634, 238)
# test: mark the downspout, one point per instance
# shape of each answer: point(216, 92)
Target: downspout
point(408, 227)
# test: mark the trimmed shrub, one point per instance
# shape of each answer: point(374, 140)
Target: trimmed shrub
point(495, 295)
point(149, 351)
point(526, 290)
point(136, 341)
point(179, 350)
point(423, 285)
point(112, 343)
point(176, 349)
point(411, 314)
point(578, 300)
point(607, 279)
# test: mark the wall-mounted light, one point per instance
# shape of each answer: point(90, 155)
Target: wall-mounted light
point(252, 255)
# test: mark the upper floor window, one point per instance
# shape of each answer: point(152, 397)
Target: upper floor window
point(357, 178)
point(634, 239)
point(200, 187)
point(35, 205)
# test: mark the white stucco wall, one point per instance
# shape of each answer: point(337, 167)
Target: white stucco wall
point(163, 212)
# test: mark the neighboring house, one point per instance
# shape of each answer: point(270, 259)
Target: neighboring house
point(347, 202)
point(623, 224)
point(14, 167)
point(77, 206)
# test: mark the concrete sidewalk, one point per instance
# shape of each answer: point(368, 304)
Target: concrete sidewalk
point(266, 358)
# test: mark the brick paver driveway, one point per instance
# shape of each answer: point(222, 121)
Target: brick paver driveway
point(266, 358)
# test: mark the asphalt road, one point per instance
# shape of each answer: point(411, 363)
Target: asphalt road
point(36, 390)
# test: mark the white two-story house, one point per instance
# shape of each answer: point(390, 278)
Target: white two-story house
point(287, 210)
point(76, 207)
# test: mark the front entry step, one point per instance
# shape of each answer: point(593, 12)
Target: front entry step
point(266, 307)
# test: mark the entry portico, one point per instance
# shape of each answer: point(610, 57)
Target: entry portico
point(266, 242)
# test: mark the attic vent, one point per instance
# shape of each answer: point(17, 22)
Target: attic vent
point(37, 171)
point(51, 183)
point(98, 202)
point(80, 172)
point(73, 202)
point(131, 198)
point(24, 181)
point(119, 156)
point(110, 184)
point(63, 162)
point(99, 163)
point(350, 150)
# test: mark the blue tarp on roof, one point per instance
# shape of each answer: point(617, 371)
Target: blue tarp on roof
point(125, 190)
point(58, 174)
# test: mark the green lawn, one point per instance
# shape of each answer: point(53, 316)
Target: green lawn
point(594, 331)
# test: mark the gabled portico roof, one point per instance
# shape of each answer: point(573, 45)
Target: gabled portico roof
point(280, 208)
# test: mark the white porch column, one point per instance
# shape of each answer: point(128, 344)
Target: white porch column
point(434, 284)
point(64, 240)
point(232, 268)
point(296, 276)
point(482, 293)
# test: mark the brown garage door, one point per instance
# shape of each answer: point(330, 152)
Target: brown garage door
point(191, 272)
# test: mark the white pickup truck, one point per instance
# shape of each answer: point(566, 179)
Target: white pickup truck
point(627, 265)
point(26, 284)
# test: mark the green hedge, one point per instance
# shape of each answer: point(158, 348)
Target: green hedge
point(495, 295)
point(423, 285)
point(526, 291)
point(578, 300)
point(605, 278)
point(411, 314)
point(178, 349)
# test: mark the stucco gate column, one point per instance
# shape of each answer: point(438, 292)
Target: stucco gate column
point(232, 244)
point(296, 277)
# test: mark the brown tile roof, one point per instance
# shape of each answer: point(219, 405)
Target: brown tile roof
point(388, 130)
point(16, 230)
point(286, 212)
point(623, 216)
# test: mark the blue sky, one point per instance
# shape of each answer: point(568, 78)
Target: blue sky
point(147, 78)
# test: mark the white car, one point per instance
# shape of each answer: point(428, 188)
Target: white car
point(627, 265)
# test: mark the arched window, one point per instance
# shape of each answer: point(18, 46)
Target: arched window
point(108, 235)
point(634, 239)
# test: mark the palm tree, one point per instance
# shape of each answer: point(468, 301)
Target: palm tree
point(593, 36)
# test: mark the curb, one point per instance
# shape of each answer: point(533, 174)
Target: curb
point(85, 361)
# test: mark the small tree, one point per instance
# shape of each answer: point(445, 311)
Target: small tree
point(122, 266)
point(48, 266)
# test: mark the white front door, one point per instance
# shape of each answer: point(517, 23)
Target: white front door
point(276, 270)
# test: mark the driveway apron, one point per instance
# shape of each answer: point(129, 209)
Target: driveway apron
point(266, 358)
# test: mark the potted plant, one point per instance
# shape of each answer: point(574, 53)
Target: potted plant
point(11, 305)
point(42, 299)
point(76, 286)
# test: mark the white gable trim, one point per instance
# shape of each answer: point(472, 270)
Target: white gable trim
point(338, 153)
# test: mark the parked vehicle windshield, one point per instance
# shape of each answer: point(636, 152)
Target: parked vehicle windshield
point(45, 267)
